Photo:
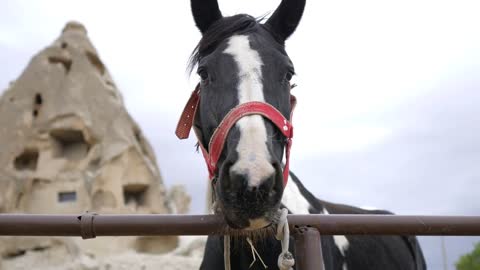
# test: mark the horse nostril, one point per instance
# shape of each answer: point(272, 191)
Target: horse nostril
point(268, 183)
point(238, 181)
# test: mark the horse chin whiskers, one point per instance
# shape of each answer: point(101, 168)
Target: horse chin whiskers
point(257, 235)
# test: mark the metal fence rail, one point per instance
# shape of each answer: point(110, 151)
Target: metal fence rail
point(306, 228)
point(92, 225)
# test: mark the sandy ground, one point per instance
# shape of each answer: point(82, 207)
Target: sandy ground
point(126, 261)
point(187, 256)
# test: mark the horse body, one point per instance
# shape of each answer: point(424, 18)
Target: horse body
point(340, 252)
point(242, 60)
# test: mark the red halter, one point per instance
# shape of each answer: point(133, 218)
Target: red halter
point(219, 136)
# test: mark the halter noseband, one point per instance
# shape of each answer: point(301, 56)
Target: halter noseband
point(219, 136)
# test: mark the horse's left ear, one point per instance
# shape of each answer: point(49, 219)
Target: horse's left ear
point(286, 17)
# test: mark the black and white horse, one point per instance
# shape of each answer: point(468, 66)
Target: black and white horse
point(240, 60)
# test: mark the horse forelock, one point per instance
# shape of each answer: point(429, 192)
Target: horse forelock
point(220, 31)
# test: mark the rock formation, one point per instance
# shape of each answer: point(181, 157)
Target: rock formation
point(69, 145)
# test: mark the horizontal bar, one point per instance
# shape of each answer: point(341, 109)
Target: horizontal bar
point(390, 224)
point(143, 225)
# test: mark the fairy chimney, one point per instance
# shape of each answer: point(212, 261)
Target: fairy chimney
point(68, 144)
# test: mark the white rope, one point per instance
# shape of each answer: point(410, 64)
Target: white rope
point(285, 259)
point(226, 252)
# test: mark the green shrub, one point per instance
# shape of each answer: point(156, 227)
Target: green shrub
point(470, 261)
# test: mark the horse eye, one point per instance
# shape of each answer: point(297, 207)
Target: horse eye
point(203, 74)
point(289, 76)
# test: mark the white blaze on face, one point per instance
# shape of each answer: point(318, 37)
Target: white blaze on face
point(254, 159)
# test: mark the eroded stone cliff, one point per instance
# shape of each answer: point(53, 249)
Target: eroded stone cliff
point(68, 145)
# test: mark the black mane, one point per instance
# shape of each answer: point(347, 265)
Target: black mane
point(219, 31)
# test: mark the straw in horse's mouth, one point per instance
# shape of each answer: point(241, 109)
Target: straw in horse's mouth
point(257, 234)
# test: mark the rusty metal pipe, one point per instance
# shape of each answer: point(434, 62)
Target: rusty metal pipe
point(389, 224)
point(308, 249)
point(130, 225)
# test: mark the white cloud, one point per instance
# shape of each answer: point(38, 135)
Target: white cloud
point(350, 138)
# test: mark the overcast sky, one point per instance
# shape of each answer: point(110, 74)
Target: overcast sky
point(389, 93)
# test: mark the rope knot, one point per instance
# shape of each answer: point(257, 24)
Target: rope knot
point(285, 259)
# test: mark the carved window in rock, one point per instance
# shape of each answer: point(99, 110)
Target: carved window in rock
point(27, 160)
point(67, 196)
point(135, 194)
point(37, 104)
point(70, 144)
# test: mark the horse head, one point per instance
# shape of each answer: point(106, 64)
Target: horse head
point(242, 60)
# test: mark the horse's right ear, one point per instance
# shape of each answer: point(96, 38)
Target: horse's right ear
point(205, 13)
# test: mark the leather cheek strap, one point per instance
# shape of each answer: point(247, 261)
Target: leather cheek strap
point(188, 115)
